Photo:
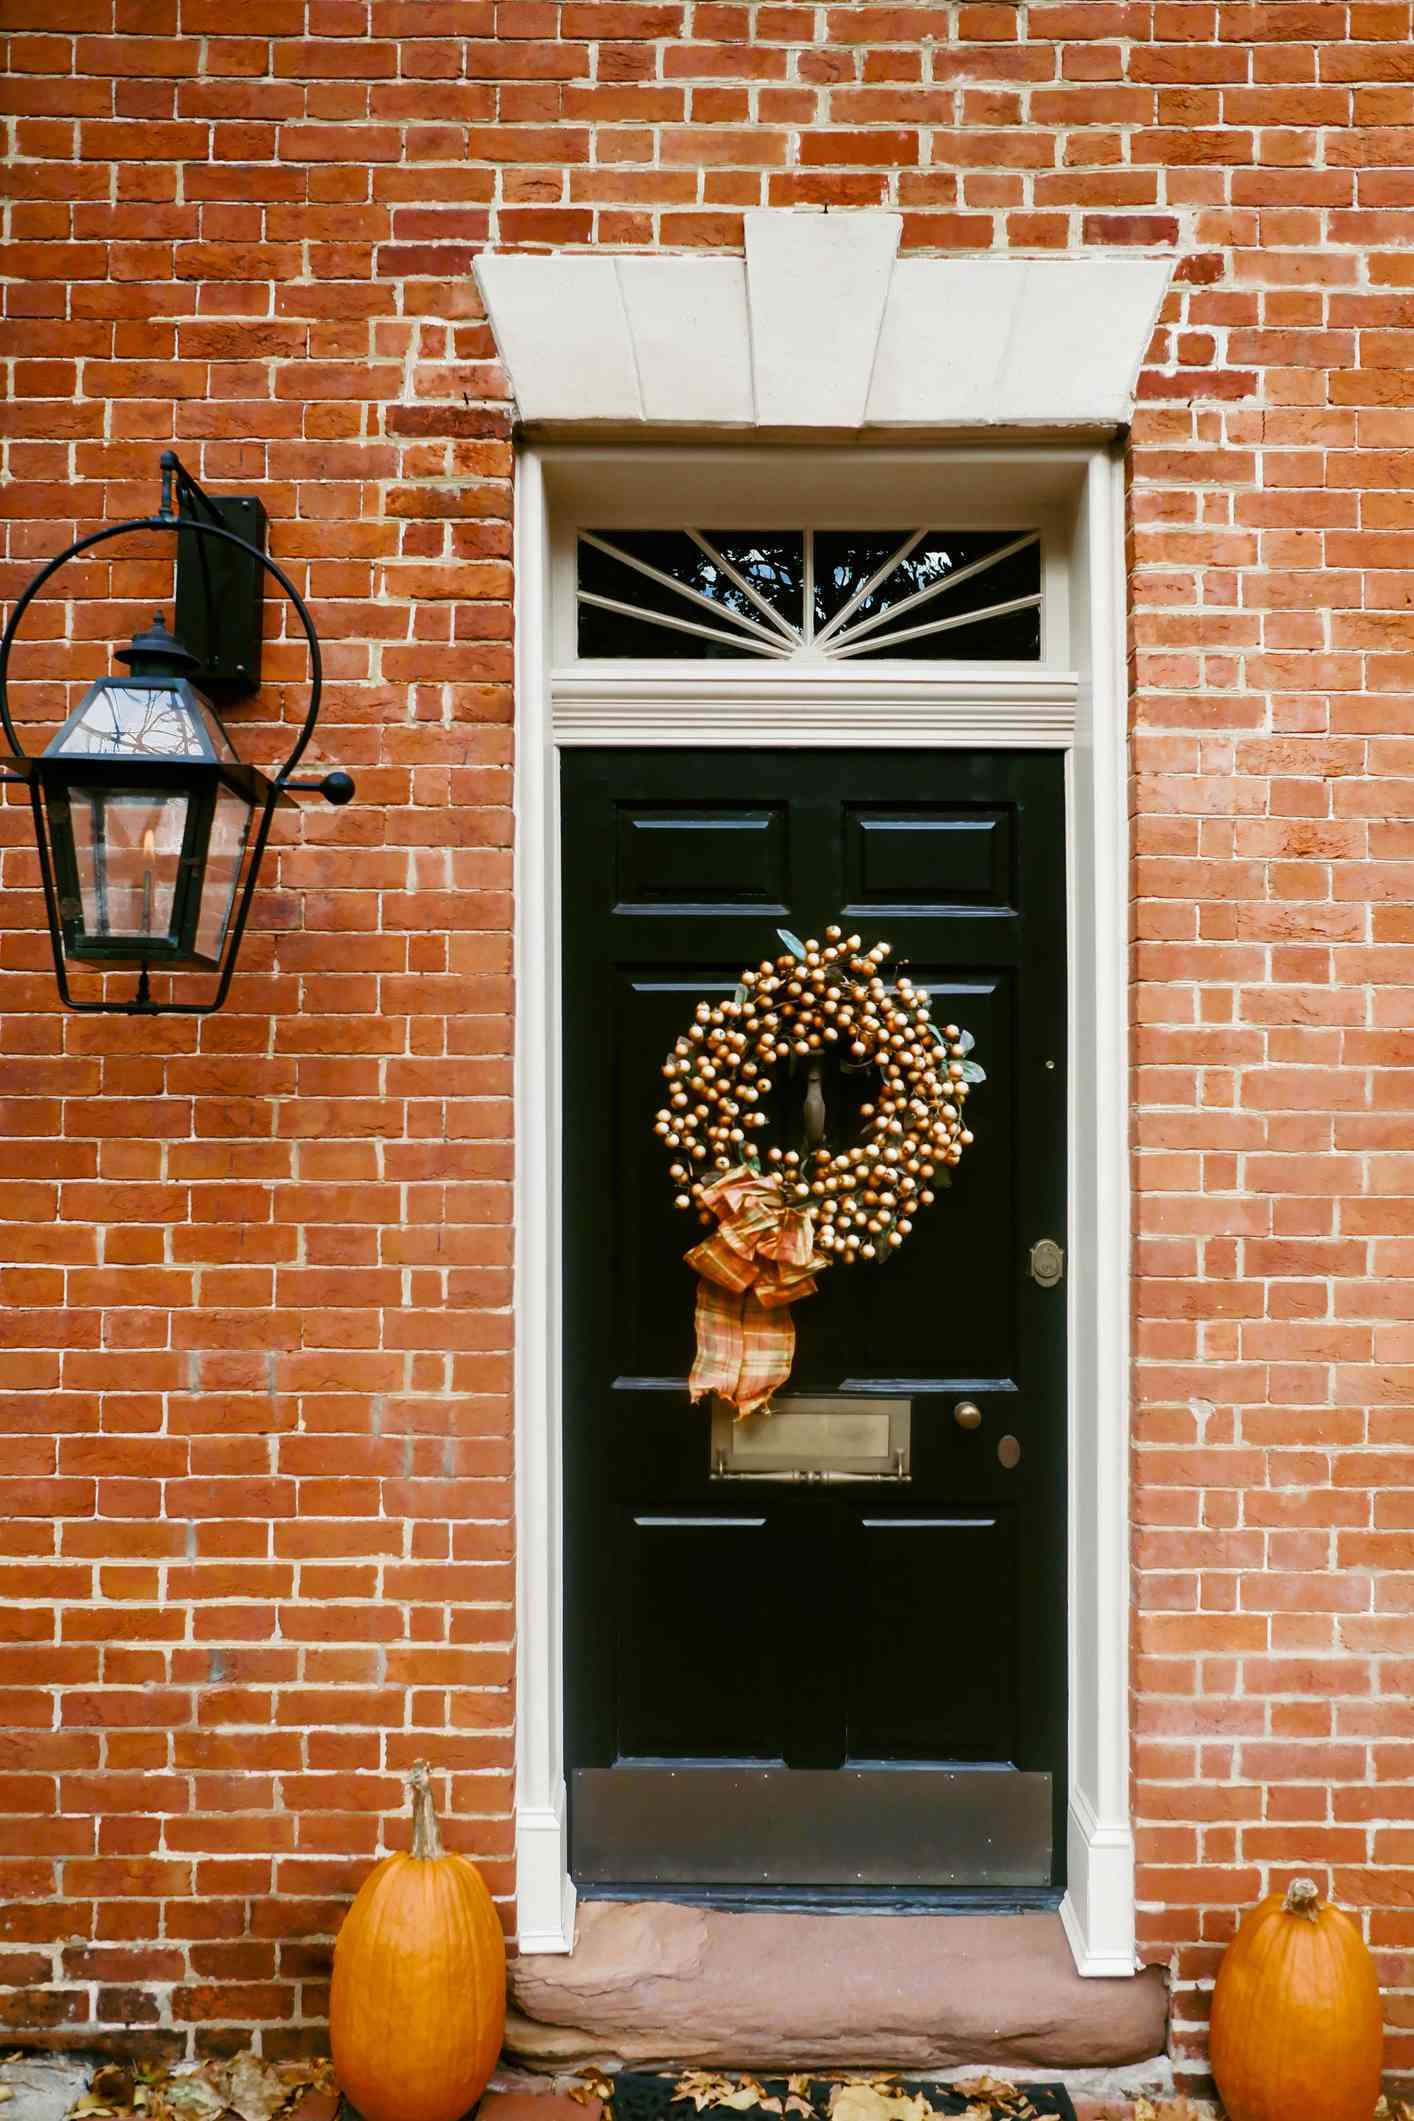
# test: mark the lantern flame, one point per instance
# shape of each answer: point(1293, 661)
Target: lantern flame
point(149, 856)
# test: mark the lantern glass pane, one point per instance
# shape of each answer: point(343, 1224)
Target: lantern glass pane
point(127, 850)
point(230, 828)
point(122, 719)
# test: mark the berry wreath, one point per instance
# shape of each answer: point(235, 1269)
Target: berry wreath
point(778, 1226)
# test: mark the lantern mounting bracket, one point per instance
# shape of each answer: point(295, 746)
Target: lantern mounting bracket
point(219, 589)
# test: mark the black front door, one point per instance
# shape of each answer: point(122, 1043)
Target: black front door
point(851, 1683)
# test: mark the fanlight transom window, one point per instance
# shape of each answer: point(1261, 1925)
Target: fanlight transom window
point(811, 595)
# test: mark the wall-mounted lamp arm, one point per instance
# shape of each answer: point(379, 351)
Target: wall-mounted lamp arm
point(336, 787)
point(175, 473)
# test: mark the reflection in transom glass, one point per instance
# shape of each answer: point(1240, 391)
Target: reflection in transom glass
point(815, 595)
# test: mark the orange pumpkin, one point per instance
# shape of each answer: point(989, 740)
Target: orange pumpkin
point(1296, 2023)
point(418, 2006)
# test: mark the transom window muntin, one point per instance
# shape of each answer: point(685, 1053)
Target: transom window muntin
point(810, 595)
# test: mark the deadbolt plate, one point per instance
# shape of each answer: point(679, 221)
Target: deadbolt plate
point(1047, 1263)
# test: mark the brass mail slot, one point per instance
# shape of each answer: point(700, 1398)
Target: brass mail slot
point(822, 1440)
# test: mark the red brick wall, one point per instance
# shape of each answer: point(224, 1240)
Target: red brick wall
point(256, 1287)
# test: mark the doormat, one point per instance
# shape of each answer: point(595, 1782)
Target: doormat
point(650, 2095)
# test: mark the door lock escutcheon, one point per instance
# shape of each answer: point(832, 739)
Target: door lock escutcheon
point(1047, 1263)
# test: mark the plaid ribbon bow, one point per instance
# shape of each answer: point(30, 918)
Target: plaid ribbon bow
point(760, 1259)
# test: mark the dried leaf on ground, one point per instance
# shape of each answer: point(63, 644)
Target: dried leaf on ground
point(245, 2088)
point(1166, 2110)
point(193, 2098)
point(254, 2087)
point(710, 2088)
point(592, 2085)
point(705, 2087)
point(996, 2095)
point(308, 2073)
point(313, 2104)
point(880, 2097)
point(113, 2083)
point(867, 2102)
point(751, 2092)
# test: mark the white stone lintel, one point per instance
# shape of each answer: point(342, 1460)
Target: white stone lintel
point(822, 328)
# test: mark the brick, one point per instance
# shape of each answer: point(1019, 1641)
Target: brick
point(257, 1273)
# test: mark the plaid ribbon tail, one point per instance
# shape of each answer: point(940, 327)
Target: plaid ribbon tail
point(744, 1349)
point(759, 1260)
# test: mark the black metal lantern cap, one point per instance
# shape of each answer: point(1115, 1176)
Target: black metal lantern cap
point(156, 653)
point(150, 827)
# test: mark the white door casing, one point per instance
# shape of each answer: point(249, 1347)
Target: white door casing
point(1075, 701)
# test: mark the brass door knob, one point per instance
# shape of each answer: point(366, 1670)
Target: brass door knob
point(967, 1414)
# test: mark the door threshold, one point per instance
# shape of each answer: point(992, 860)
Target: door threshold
point(836, 1899)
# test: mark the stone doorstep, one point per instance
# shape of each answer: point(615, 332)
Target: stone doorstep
point(652, 1982)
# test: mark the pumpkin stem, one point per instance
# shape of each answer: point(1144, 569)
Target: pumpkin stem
point(1303, 1898)
point(426, 1834)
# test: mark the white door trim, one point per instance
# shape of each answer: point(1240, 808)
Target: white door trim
point(793, 707)
point(1082, 713)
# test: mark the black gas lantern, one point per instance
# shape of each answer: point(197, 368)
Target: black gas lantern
point(149, 812)
point(150, 827)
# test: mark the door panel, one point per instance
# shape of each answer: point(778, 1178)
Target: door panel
point(705, 1678)
point(954, 1696)
point(907, 860)
point(866, 1628)
point(684, 854)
